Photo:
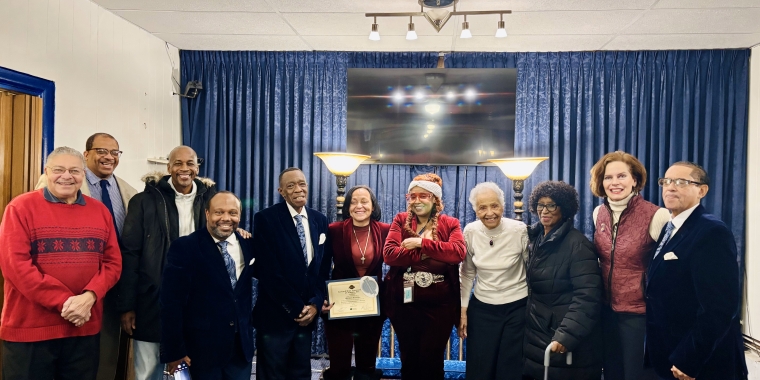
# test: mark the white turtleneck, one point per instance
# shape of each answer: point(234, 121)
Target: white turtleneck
point(659, 220)
point(499, 269)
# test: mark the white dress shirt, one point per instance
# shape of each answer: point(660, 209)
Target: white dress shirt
point(499, 269)
point(233, 248)
point(184, 204)
point(305, 222)
point(679, 220)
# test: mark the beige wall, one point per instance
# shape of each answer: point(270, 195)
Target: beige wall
point(110, 76)
point(752, 254)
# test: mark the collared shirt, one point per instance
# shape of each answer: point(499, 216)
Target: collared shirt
point(233, 248)
point(305, 222)
point(184, 204)
point(52, 198)
point(679, 220)
point(119, 211)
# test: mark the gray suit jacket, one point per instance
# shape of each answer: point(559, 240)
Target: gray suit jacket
point(125, 189)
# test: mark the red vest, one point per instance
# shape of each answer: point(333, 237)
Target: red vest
point(625, 259)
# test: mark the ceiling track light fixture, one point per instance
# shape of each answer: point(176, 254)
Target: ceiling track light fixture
point(437, 16)
point(501, 31)
point(410, 33)
point(465, 29)
point(374, 35)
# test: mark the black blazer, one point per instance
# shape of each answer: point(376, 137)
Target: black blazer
point(286, 284)
point(200, 311)
point(693, 302)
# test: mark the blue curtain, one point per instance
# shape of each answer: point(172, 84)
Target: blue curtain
point(661, 106)
point(260, 112)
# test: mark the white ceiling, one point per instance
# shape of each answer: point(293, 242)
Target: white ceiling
point(534, 25)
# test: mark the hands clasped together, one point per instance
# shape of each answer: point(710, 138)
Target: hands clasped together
point(77, 309)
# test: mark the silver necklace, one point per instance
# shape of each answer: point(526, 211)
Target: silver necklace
point(490, 242)
point(366, 242)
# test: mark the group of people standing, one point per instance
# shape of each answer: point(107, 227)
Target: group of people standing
point(656, 295)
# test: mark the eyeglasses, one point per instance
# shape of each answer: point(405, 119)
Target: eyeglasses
point(59, 170)
point(412, 197)
point(680, 182)
point(104, 151)
point(551, 207)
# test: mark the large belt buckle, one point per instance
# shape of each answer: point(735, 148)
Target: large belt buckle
point(423, 279)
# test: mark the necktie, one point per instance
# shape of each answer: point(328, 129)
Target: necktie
point(668, 231)
point(302, 238)
point(106, 198)
point(228, 263)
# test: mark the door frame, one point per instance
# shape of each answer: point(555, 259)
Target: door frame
point(29, 84)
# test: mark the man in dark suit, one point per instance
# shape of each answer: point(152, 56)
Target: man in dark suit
point(292, 266)
point(693, 290)
point(206, 297)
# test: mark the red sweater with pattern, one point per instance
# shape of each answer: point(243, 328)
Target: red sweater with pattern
point(48, 253)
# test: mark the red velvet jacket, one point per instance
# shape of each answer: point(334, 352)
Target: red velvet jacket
point(340, 236)
point(449, 249)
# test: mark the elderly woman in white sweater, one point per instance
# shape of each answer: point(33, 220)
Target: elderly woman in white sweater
point(493, 319)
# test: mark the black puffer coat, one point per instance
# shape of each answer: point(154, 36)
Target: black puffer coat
point(565, 293)
point(152, 223)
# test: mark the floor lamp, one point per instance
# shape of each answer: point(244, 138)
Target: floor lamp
point(341, 165)
point(518, 169)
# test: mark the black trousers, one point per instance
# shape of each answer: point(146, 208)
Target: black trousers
point(238, 368)
point(494, 340)
point(73, 358)
point(284, 355)
point(623, 336)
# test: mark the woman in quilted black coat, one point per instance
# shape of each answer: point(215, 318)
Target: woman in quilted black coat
point(565, 289)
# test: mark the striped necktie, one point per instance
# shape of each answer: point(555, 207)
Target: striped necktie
point(668, 231)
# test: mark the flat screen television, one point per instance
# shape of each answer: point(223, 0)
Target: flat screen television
point(431, 116)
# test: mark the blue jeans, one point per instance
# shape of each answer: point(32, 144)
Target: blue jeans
point(147, 362)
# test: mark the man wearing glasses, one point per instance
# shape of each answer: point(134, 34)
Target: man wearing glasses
point(292, 266)
point(693, 292)
point(102, 157)
point(59, 256)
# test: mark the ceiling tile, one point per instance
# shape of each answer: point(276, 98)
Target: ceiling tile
point(208, 22)
point(187, 5)
point(687, 21)
point(553, 5)
point(355, 24)
point(233, 42)
point(532, 43)
point(662, 4)
point(356, 6)
point(387, 43)
point(682, 41)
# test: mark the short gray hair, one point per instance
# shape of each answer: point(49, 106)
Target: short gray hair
point(485, 186)
point(64, 150)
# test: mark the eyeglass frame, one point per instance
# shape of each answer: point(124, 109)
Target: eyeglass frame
point(114, 153)
point(540, 207)
point(674, 181)
point(80, 171)
point(412, 197)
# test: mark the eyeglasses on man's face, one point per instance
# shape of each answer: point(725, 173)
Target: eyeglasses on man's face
point(412, 197)
point(551, 207)
point(59, 170)
point(104, 152)
point(680, 182)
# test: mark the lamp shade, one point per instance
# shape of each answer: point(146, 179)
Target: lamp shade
point(340, 163)
point(518, 168)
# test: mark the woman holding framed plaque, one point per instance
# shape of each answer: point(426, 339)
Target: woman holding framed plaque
point(424, 249)
point(356, 244)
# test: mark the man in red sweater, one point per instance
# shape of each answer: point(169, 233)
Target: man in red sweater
point(59, 255)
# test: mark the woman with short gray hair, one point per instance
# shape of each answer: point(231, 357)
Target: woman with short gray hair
point(493, 319)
